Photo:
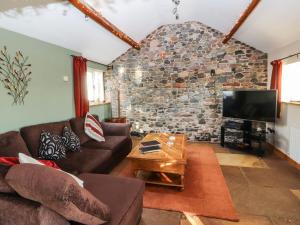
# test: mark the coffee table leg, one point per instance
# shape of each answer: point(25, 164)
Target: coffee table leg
point(182, 183)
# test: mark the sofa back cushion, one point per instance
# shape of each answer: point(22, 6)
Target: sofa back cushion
point(31, 134)
point(11, 144)
point(77, 125)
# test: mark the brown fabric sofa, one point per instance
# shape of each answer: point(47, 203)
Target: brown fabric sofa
point(124, 196)
point(94, 156)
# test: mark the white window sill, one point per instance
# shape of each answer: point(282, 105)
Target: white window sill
point(98, 103)
point(292, 103)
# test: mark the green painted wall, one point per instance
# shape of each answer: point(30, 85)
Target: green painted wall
point(97, 66)
point(50, 98)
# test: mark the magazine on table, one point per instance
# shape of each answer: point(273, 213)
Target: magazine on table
point(150, 146)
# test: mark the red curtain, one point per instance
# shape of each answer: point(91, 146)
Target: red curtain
point(276, 82)
point(80, 86)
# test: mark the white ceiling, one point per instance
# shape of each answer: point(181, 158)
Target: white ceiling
point(273, 24)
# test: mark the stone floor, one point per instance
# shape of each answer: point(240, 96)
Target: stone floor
point(265, 191)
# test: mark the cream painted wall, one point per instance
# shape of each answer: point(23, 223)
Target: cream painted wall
point(290, 113)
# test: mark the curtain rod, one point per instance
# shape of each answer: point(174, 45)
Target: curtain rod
point(90, 60)
point(296, 54)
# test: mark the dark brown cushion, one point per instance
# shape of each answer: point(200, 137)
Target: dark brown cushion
point(11, 143)
point(116, 129)
point(124, 196)
point(85, 161)
point(57, 191)
point(4, 187)
point(19, 211)
point(31, 134)
point(114, 143)
point(77, 125)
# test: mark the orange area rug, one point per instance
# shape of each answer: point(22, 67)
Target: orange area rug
point(205, 192)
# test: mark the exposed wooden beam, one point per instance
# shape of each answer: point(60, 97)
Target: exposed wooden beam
point(98, 18)
point(241, 20)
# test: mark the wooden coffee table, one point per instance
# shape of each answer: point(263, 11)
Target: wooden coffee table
point(165, 167)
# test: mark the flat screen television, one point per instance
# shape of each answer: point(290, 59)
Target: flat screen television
point(250, 105)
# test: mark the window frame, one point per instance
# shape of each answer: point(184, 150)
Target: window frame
point(97, 101)
point(288, 101)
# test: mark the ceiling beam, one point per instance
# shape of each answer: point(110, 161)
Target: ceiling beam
point(98, 18)
point(241, 20)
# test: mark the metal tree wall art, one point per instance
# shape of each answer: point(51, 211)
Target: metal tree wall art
point(175, 10)
point(15, 75)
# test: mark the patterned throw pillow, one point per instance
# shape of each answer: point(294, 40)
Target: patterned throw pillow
point(93, 128)
point(51, 147)
point(70, 140)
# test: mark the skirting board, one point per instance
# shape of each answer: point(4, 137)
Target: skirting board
point(282, 155)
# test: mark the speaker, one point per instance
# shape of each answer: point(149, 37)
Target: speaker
point(222, 135)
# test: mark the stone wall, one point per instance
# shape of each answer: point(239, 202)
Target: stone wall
point(175, 82)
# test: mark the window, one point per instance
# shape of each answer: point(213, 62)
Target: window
point(95, 86)
point(290, 82)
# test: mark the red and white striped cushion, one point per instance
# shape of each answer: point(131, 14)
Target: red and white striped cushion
point(93, 128)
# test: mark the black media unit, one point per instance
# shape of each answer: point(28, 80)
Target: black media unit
point(252, 139)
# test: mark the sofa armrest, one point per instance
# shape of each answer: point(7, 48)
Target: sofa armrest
point(116, 129)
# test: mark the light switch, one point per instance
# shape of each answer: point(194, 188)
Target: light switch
point(66, 78)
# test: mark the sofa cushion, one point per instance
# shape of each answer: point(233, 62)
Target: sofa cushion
point(113, 143)
point(27, 159)
point(119, 193)
point(77, 125)
point(31, 134)
point(20, 211)
point(71, 140)
point(59, 192)
point(7, 162)
point(85, 161)
point(116, 129)
point(93, 129)
point(11, 143)
point(4, 187)
point(51, 146)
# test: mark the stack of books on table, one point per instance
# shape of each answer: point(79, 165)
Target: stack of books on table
point(150, 146)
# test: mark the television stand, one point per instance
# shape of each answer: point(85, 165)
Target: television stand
point(252, 140)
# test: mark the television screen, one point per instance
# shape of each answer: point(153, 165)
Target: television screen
point(250, 105)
